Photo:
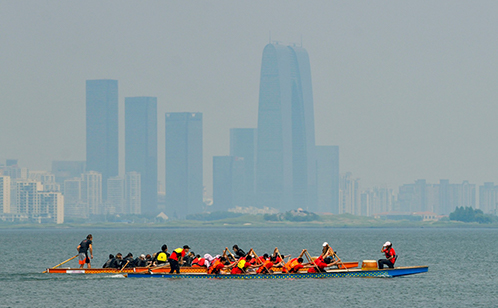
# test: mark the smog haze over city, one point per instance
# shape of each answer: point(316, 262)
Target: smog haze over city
point(406, 89)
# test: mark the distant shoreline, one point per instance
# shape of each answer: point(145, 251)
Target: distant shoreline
point(257, 221)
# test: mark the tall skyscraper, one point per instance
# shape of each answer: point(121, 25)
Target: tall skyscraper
point(184, 187)
point(286, 161)
point(243, 145)
point(488, 198)
point(141, 147)
point(102, 128)
point(327, 175)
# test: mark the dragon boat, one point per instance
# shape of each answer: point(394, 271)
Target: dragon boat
point(338, 273)
point(187, 270)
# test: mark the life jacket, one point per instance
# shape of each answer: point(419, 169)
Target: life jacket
point(162, 257)
point(177, 253)
point(242, 264)
point(199, 262)
point(291, 264)
point(216, 267)
point(265, 268)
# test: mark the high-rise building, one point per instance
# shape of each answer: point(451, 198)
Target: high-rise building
point(91, 192)
point(228, 182)
point(350, 195)
point(132, 193)
point(115, 195)
point(286, 162)
point(73, 204)
point(488, 198)
point(327, 179)
point(184, 189)
point(102, 128)
point(28, 199)
point(243, 145)
point(4, 194)
point(141, 147)
point(51, 208)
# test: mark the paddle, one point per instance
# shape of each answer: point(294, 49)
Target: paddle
point(281, 258)
point(62, 263)
point(124, 266)
point(259, 261)
point(340, 260)
point(310, 260)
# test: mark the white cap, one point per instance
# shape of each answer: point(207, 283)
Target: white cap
point(142, 256)
point(325, 244)
point(387, 244)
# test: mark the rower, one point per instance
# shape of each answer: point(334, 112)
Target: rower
point(327, 251)
point(217, 266)
point(176, 258)
point(322, 263)
point(239, 253)
point(294, 265)
point(243, 265)
point(161, 257)
point(265, 268)
point(388, 250)
point(108, 262)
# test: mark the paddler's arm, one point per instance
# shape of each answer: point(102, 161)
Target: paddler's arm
point(91, 250)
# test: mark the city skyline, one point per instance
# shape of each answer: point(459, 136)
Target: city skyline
point(405, 89)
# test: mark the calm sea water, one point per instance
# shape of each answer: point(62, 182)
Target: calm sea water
point(462, 269)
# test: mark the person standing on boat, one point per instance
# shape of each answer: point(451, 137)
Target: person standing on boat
point(83, 248)
point(388, 250)
point(176, 259)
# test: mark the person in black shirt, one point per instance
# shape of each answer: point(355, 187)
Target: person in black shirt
point(128, 260)
point(239, 253)
point(108, 263)
point(116, 262)
point(140, 261)
point(83, 248)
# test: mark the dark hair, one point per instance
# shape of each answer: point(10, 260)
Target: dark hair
point(119, 254)
point(223, 259)
point(186, 247)
point(198, 256)
point(111, 256)
point(164, 247)
point(327, 260)
point(273, 258)
point(129, 255)
point(148, 256)
point(265, 256)
point(248, 258)
point(300, 260)
point(89, 237)
point(235, 247)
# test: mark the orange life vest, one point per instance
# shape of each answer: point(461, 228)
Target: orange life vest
point(265, 268)
point(289, 266)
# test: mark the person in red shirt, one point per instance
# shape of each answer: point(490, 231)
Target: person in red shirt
point(176, 258)
point(388, 250)
point(243, 265)
point(322, 263)
point(266, 266)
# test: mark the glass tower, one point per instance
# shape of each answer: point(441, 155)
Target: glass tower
point(184, 189)
point(102, 128)
point(286, 162)
point(141, 147)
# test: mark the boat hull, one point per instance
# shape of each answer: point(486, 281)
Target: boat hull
point(190, 270)
point(377, 273)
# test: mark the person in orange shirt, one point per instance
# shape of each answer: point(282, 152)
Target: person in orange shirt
point(266, 266)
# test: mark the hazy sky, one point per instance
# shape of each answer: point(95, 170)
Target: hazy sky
point(407, 89)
